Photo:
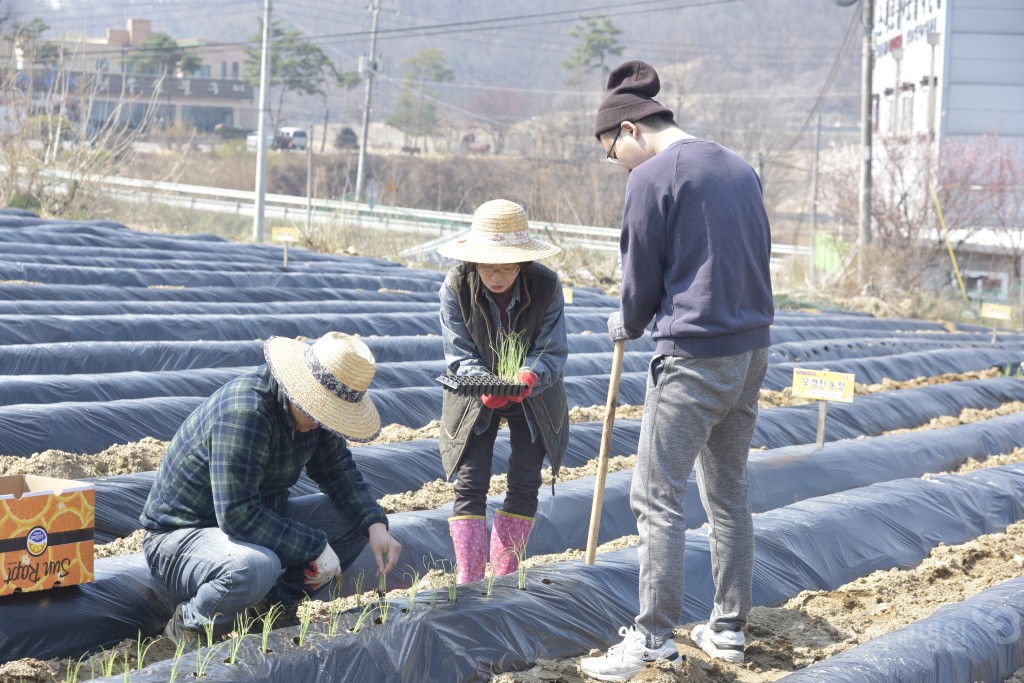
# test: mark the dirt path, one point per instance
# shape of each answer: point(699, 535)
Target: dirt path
point(817, 625)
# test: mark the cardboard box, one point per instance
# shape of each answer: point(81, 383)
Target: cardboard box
point(46, 533)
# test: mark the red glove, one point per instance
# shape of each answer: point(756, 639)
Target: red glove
point(494, 402)
point(529, 378)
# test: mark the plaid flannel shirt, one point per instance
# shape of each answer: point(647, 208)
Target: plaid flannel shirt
point(231, 463)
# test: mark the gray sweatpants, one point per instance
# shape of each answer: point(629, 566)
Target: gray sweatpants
point(703, 411)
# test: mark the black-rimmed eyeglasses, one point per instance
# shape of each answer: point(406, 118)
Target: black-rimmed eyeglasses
point(609, 158)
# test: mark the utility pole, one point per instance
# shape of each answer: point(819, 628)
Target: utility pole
point(309, 183)
point(814, 199)
point(258, 228)
point(933, 41)
point(864, 236)
point(371, 69)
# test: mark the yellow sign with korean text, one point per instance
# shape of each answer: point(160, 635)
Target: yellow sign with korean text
point(283, 233)
point(823, 385)
point(996, 311)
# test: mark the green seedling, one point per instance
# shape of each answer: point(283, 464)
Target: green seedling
point(490, 584)
point(1013, 370)
point(513, 348)
point(449, 577)
point(358, 585)
point(203, 658)
point(334, 618)
point(127, 669)
point(520, 554)
point(305, 618)
point(71, 674)
point(383, 607)
point(243, 624)
point(382, 580)
point(141, 648)
point(208, 630)
point(334, 608)
point(452, 581)
point(413, 589)
point(179, 652)
point(511, 353)
point(362, 618)
point(521, 569)
point(107, 661)
point(272, 615)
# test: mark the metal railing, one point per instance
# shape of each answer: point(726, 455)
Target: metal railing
point(443, 225)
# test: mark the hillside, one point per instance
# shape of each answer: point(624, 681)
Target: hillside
point(738, 62)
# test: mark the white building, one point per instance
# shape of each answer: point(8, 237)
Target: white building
point(99, 70)
point(953, 68)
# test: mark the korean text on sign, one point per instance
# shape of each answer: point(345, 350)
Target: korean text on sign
point(823, 385)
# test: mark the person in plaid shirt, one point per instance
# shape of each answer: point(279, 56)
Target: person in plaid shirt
point(222, 532)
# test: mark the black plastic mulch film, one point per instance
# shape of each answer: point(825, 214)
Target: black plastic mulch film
point(859, 508)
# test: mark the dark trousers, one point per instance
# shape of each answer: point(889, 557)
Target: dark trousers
point(473, 478)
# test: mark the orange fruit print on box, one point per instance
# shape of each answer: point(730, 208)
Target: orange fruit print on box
point(47, 540)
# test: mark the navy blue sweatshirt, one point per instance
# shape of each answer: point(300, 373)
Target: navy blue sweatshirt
point(695, 247)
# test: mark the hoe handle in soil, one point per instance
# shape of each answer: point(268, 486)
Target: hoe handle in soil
point(606, 445)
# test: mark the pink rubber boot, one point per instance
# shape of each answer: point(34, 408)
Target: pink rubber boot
point(469, 536)
point(508, 541)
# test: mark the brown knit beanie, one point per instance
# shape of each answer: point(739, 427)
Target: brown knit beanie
point(631, 90)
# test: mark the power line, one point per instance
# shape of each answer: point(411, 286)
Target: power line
point(735, 95)
point(466, 30)
point(511, 21)
point(854, 24)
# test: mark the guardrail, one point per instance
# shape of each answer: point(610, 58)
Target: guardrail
point(443, 225)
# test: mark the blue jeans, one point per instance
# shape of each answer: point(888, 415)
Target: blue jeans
point(213, 576)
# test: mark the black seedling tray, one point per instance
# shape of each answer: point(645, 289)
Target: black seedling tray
point(478, 385)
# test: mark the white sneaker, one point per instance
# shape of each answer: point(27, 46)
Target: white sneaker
point(727, 645)
point(628, 658)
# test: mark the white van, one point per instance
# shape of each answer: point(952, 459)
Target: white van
point(291, 138)
point(252, 140)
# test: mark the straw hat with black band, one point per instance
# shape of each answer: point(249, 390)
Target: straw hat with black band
point(327, 381)
point(499, 234)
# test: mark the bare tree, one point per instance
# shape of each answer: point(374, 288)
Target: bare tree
point(978, 183)
point(62, 127)
point(499, 110)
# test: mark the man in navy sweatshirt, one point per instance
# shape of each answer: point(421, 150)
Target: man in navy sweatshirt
point(695, 247)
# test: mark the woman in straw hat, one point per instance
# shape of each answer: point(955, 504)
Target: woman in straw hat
point(223, 533)
point(499, 290)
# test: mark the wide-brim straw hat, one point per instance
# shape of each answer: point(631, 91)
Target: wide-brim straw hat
point(327, 381)
point(499, 234)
